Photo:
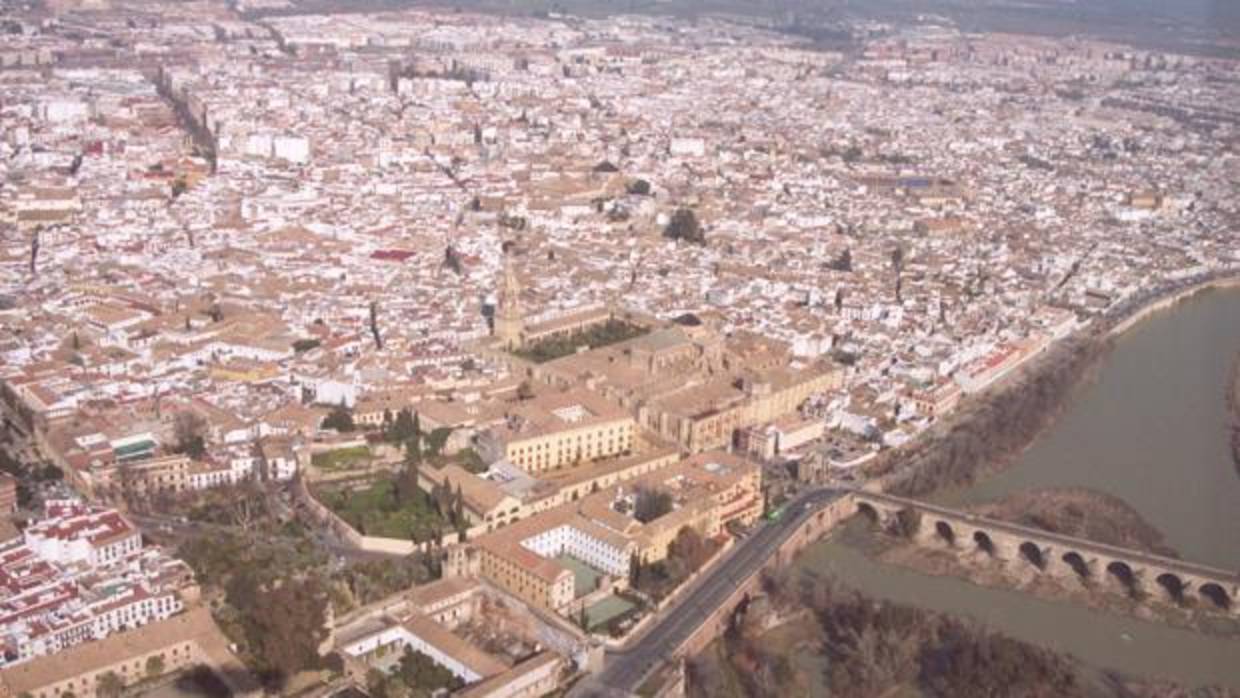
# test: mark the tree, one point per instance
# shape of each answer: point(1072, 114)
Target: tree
point(284, 622)
point(155, 666)
point(374, 324)
point(189, 429)
point(413, 451)
point(650, 504)
point(638, 187)
point(843, 262)
point(340, 419)
point(525, 391)
point(402, 428)
point(376, 683)
point(436, 440)
point(684, 226)
point(689, 548)
point(109, 685)
point(635, 571)
point(452, 260)
point(34, 251)
point(897, 264)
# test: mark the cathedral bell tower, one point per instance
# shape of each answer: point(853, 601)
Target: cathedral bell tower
point(509, 320)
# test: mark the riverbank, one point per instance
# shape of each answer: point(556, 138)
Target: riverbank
point(1233, 408)
point(991, 431)
point(1169, 300)
point(1149, 425)
point(814, 633)
point(987, 434)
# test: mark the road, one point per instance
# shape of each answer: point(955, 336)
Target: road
point(625, 671)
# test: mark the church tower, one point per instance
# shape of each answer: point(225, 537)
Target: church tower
point(509, 320)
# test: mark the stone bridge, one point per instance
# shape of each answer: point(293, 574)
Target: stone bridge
point(1122, 570)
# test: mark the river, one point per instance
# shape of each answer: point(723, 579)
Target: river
point(1150, 429)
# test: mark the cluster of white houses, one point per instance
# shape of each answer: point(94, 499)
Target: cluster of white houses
point(79, 575)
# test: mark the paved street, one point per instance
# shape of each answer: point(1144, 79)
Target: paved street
point(625, 671)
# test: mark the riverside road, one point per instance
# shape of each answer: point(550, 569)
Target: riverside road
point(625, 671)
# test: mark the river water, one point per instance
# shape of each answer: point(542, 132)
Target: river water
point(1150, 429)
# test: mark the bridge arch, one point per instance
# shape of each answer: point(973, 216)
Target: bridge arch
point(870, 512)
point(945, 531)
point(1033, 554)
point(985, 543)
point(1173, 585)
point(1216, 593)
point(1078, 564)
point(1125, 575)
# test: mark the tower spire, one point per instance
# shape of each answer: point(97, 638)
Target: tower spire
point(509, 318)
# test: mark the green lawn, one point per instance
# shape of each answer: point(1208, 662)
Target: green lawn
point(341, 458)
point(378, 509)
